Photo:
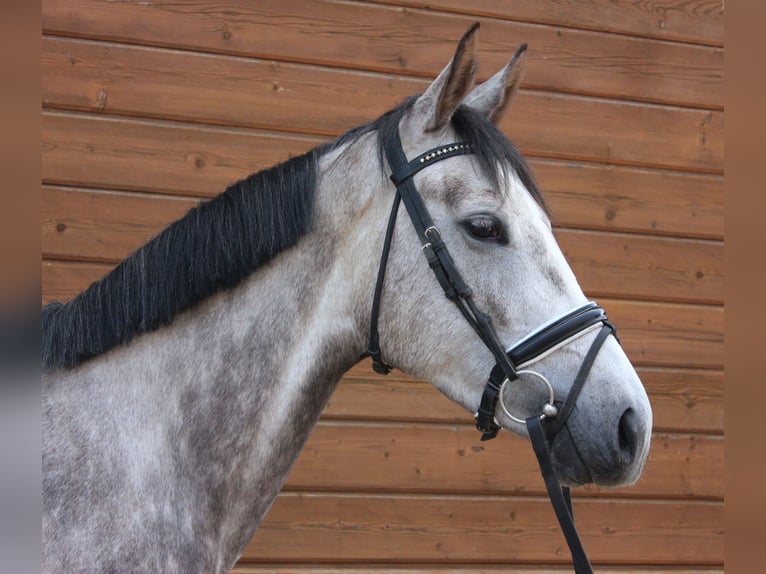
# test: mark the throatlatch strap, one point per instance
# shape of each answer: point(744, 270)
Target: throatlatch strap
point(560, 499)
point(373, 347)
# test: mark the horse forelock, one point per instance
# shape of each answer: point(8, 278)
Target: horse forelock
point(496, 154)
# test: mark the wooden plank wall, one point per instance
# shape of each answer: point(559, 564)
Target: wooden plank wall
point(148, 106)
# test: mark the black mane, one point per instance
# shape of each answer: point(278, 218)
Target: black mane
point(223, 240)
point(213, 247)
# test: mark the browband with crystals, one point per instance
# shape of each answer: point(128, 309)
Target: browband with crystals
point(409, 169)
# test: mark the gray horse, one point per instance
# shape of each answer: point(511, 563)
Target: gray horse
point(179, 389)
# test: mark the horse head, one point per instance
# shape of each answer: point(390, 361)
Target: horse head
point(485, 207)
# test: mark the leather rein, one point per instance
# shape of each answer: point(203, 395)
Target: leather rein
point(509, 365)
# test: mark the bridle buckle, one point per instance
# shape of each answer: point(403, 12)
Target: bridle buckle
point(432, 229)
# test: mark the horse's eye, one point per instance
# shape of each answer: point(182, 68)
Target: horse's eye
point(484, 228)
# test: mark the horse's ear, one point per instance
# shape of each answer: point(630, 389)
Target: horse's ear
point(444, 95)
point(493, 96)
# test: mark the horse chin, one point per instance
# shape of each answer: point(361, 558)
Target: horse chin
point(568, 462)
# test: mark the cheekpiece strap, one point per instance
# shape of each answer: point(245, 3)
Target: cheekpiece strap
point(402, 172)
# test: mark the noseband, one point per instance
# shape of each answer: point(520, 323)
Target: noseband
point(509, 365)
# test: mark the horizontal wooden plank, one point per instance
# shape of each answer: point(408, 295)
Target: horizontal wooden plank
point(639, 267)
point(627, 134)
point(91, 225)
point(653, 334)
point(170, 158)
point(386, 528)
point(62, 281)
point(698, 21)
point(404, 41)
point(439, 459)
point(634, 200)
point(356, 568)
point(141, 81)
point(683, 400)
point(167, 84)
point(81, 224)
point(661, 334)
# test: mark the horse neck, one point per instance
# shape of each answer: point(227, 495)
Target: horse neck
point(210, 412)
point(253, 367)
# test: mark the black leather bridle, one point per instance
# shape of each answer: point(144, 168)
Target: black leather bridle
point(510, 364)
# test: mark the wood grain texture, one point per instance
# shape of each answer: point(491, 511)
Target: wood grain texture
point(394, 40)
point(664, 334)
point(90, 225)
point(634, 200)
point(62, 281)
point(627, 134)
point(150, 82)
point(448, 459)
point(107, 78)
point(146, 156)
point(101, 226)
point(685, 400)
point(630, 266)
point(483, 529)
point(696, 21)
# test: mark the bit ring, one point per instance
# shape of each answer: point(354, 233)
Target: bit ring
point(549, 409)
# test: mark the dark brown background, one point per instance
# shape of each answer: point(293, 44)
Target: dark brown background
point(149, 106)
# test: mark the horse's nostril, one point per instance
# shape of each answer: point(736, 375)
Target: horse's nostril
point(628, 434)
